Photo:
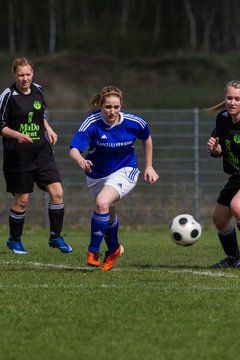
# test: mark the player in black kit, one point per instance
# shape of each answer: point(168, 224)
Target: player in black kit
point(27, 155)
point(225, 143)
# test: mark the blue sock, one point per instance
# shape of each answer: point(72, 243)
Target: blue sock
point(111, 236)
point(99, 225)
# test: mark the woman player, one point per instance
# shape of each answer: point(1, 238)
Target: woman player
point(28, 156)
point(110, 166)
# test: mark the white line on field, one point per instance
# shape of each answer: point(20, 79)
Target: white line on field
point(200, 272)
point(205, 273)
point(38, 264)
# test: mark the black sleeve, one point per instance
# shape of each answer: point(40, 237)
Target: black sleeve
point(4, 108)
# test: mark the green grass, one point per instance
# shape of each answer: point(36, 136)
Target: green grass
point(161, 301)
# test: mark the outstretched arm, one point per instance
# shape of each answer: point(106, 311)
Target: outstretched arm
point(150, 175)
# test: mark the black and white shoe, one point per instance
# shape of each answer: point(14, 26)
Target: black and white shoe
point(229, 261)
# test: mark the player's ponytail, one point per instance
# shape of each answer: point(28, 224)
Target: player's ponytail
point(221, 105)
point(217, 107)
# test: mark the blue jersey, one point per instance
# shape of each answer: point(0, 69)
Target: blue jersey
point(110, 147)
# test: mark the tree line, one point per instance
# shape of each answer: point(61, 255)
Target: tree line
point(120, 27)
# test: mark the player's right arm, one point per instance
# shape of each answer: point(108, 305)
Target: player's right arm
point(79, 143)
point(80, 160)
point(5, 130)
point(213, 146)
point(21, 138)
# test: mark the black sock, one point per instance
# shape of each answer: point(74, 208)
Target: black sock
point(229, 242)
point(56, 215)
point(16, 222)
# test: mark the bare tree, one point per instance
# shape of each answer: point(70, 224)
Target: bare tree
point(209, 24)
point(192, 24)
point(11, 27)
point(236, 25)
point(85, 15)
point(52, 27)
point(209, 20)
point(124, 18)
point(225, 27)
point(24, 26)
point(157, 21)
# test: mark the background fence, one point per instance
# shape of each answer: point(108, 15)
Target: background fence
point(189, 180)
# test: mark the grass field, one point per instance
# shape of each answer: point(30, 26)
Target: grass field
point(161, 301)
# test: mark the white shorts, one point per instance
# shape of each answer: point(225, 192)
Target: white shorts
point(123, 180)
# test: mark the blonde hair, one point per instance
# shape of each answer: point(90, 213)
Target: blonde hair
point(99, 98)
point(221, 105)
point(23, 61)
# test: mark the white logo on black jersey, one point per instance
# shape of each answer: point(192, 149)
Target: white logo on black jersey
point(15, 93)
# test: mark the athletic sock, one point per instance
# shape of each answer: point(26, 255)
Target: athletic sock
point(229, 242)
point(111, 236)
point(16, 222)
point(56, 215)
point(99, 225)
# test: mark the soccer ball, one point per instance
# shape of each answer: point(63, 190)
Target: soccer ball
point(185, 230)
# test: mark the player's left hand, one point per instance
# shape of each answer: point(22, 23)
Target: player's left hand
point(52, 136)
point(150, 175)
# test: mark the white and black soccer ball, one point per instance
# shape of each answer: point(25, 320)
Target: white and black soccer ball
point(185, 230)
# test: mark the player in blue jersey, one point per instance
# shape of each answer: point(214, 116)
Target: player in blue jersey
point(225, 142)
point(28, 156)
point(110, 166)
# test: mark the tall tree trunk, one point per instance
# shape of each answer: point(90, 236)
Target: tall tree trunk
point(157, 21)
point(124, 18)
point(206, 35)
point(225, 24)
point(52, 27)
point(235, 30)
point(11, 28)
point(85, 17)
point(25, 15)
point(192, 24)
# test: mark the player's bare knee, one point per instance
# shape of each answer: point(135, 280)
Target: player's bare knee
point(55, 191)
point(21, 204)
point(219, 222)
point(101, 205)
point(56, 199)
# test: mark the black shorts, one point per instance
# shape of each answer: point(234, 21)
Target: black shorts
point(229, 191)
point(23, 182)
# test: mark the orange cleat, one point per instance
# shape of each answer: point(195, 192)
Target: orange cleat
point(94, 258)
point(111, 258)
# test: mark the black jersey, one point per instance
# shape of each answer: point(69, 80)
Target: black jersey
point(24, 113)
point(229, 139)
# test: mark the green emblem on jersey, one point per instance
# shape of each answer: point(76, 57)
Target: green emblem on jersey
point(230, 157)
point(37, 105)
point(228, 145)
point(236, 138)
point(30, 128)
point(30, 116)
